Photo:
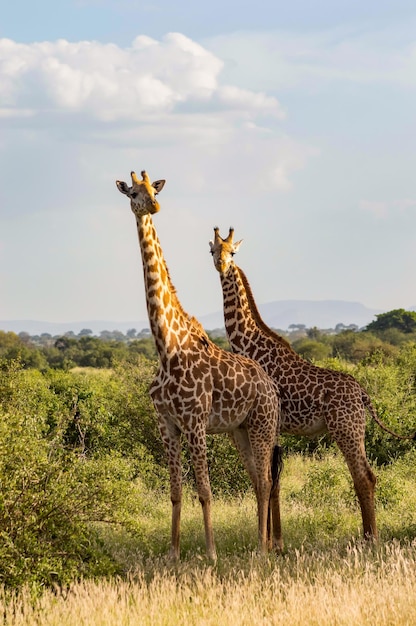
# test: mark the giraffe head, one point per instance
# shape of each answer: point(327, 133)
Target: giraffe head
point(142, 193)
point(223, 250)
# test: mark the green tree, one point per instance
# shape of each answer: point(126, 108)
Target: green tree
point(145, 346)
point(311, 349)
point(14, 347)
point(85, 332)
point(220, 340)
point(355, 346)
point(402, 320)
point(314, 333)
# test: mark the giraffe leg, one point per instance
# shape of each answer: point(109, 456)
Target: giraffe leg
point(241, 441)
point(274, 529)
point(261, 458)
point(198, 451)
point(171, 438)
point(363, 478)
point(263, 501)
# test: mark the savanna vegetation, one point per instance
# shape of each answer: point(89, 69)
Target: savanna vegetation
point(85, 510)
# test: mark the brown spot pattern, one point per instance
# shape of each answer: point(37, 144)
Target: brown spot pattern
point(314, 400)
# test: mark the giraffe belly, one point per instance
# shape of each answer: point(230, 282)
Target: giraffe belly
point(308, 424)
point(185, 407)
point(227, 420)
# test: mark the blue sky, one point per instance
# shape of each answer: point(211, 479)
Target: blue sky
point(293, 122)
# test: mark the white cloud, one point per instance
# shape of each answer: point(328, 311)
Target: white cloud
point(245, 100)
point(110, 83)
point(154, 95)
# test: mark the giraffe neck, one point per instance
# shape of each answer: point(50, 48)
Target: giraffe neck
point(168, 321)
point(243, 321)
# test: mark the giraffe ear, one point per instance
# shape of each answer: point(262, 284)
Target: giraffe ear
point(211, 247)
point(123, 187)
point(236, 245)
point(158, 185)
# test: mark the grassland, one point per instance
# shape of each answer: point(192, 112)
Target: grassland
point(327, 575)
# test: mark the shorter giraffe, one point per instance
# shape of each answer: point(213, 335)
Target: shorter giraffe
point(200, 388)
point(314, 399)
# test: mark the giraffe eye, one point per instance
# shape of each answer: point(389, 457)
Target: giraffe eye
point(232, 253)
point(134, 195)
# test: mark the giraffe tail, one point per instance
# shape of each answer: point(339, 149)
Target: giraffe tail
point(277, 465)
point(370, 408)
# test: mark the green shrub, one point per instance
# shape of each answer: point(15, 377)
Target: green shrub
point(391, 385)
point(47, 499)
point(227, 473)
point(327, 483)
point(311, 349)
point(54, 490)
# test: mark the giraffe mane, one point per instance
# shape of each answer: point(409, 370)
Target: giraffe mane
point(256, 314)
point(198, 326)
point(268, 331)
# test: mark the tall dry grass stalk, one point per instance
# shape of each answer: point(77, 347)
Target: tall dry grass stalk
point(366, 585)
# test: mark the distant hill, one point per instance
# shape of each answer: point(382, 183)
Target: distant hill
point(34, 327)
point(279, 314)
point(320, 313)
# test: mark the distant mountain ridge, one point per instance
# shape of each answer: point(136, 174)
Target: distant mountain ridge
point(320, 313)
point(279, 314)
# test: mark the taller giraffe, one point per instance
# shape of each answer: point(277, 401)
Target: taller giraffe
point(200, 388)
point(314, 400)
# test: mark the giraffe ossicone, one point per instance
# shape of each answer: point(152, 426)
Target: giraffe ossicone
point(200, 389)
point(314, 400)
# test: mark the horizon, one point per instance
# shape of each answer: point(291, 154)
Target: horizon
point(324, 314)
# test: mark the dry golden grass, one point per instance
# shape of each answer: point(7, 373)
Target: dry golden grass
point(327, 575)
point(365, 586)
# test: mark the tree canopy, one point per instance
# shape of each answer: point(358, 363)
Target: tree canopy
point(400, 319)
